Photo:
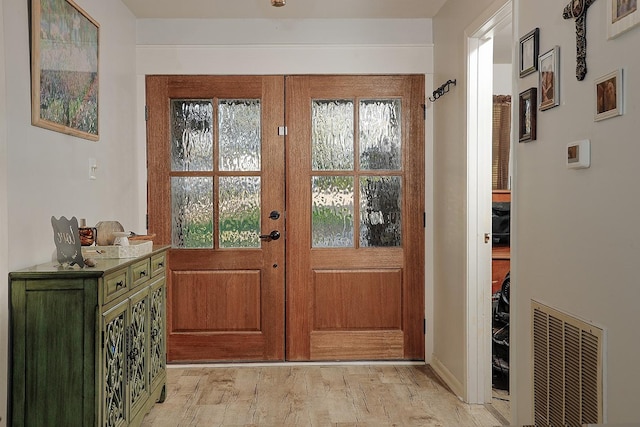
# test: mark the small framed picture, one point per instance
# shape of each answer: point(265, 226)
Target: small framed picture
point(609, 92)
point(529, 49)
point(549, 78)
point(527, 115)
point(622, 15)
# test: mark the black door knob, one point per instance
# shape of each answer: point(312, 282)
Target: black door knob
point(274, 235)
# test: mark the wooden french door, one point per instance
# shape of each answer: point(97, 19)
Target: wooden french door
point(355, 209)
point(215, 172)
point(352, 224)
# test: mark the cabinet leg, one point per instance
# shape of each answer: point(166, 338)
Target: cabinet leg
point(163, 394)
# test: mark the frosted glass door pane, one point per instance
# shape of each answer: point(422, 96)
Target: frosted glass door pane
point(332, 135)
point(192, 212)
point(239, 212)
point(239, 135)
point(332, 213)
point(380, 135)
point(191, 135)
point(380, 211)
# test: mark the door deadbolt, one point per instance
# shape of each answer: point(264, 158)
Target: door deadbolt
point(274, 215)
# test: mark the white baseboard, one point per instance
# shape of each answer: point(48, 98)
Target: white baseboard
point(454, 384)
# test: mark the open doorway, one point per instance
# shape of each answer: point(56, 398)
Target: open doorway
point(501, 215)
point(489, 53)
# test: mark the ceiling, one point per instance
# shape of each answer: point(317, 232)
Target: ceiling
point(294, 9)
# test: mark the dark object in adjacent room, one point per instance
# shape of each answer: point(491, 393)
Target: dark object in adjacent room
point(501, 222)
point(500, 345)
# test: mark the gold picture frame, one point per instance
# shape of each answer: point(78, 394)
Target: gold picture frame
point(64, 68)
point(622, 15)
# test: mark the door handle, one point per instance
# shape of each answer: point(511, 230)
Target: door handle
point(274, 235)
point(487, 237)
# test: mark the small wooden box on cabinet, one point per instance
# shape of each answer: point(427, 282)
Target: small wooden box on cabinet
point(88, 346)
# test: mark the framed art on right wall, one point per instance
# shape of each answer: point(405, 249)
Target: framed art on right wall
point(609, 93)
point(549, 79)
point(527, 115)
point(622, 15)
point(529, 49)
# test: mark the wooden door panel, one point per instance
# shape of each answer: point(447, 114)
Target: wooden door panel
point(357, 299)
point(214, 301)
point(357, 345)
point(226, 346)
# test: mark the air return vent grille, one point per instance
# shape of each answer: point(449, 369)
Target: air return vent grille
point(567, 369)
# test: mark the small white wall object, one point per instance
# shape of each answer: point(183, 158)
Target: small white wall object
point(579, 154)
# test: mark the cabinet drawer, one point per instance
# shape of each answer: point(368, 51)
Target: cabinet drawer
point(140, 272)
point(158, 264)
point(116, 284)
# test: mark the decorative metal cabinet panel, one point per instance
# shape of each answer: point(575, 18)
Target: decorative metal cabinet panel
point(88, 346)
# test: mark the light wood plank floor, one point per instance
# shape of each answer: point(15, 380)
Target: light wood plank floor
point(313, 395)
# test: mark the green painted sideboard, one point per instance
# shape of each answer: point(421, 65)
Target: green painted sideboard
point(88, 346)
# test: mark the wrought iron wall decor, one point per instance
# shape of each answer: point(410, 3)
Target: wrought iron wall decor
point(577, 10)
point(441, 90)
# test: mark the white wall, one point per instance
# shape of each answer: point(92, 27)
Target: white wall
point(284, 46)
point(48, 172)
point(45, 173)
point(577, 234)
point(4, 230)
point(450, 196)
point(502, 81)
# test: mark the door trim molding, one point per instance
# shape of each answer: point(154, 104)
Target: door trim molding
point(478, 277)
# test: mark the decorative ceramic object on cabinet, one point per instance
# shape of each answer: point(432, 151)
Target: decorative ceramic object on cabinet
point(88, 346)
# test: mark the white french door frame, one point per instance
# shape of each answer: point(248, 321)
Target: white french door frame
point(479, 57)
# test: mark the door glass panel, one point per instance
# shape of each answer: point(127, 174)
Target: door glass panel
point(380, 211)
point(332, 135)
point(239, 134)
point(380, 135)
point(192, 212)
point(191, 135)
point(332, 213)
point(239, 212)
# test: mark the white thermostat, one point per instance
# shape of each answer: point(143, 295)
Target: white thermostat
point(579, 154)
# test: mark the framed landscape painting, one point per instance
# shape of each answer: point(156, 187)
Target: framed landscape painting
point(64, 68)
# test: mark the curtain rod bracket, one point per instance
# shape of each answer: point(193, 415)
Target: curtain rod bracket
point(442, 90)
